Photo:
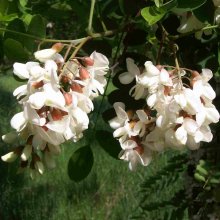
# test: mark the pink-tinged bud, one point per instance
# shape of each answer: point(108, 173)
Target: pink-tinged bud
point(57, 47)
point(159, 67)
point(38, 85)
point(88, 61)
point(68, 98)
point(76, 87)
point(45, 128)
point(84, 73)
point(56, 114)
point(167, 90)
point(194, 74)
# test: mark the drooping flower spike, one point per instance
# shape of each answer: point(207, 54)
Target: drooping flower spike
point(56, 101)
point(183, 116)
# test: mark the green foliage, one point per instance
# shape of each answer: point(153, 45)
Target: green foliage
point(108, 143)
point(164, 184)
point(14, 50)
point(80, 163)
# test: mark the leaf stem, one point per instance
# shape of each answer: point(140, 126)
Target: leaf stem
point(89, 30)
point(74, 42)
point(209, 27)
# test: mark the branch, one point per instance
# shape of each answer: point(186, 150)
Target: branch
point(74, 42)
point(175, 37)
point(89, 30)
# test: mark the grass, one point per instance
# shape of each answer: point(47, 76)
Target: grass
point(109, 192)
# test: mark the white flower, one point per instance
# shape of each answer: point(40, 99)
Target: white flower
point(133, 71)
point(202, 87)
point(136, 155)
point(121, 117)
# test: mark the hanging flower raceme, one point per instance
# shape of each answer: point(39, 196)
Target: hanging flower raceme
point(56, 101)
point(176, 114)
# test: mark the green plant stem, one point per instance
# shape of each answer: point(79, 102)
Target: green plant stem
point(175, 37)
point(74, 42)
point(91, 16)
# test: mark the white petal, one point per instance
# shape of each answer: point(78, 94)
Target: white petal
point(206, 74)
point(212, 115)
point(44, 55)
point(190, 125)
point(151, 100)
point(100, 60)
point(20, 70)
point(115, 122)
point(132, 67)
point(119, 132)
point(129, 144)
point(151, 69)
point(164, 77)
point(37, 100)
point(207, 134)
point(142, 116)
point(58, 126)
point(126, 78)
point(18, 121)
point(181, 135)
point(21, 90)
point(209, 92)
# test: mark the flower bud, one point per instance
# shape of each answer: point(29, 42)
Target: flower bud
point(68, 98)
point(26, 152)
point(9, 157)
point(76, 87)
point(84, 73)
point(39, 167)
point(57, 47)
point(88, 61)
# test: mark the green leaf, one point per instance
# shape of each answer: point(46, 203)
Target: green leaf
point(108, 143)
point(152, 14)
point(8, 18)
point(199, 177)
point(188, 5)
point(36, 28)
point(205, 15)
point(14, 50)
point(201, 170)
point(158, 3)
point(80, 164)
point(3, 6)
point(18, 26)
point(23, 3)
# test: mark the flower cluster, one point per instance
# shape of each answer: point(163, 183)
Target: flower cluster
point(56, 101)
point(176, 114)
